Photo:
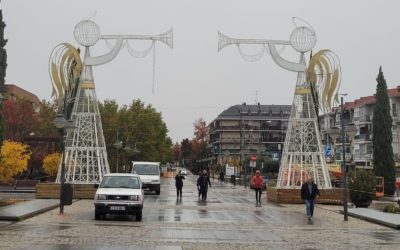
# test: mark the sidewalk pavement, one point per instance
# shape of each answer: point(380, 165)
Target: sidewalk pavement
point(371, 214)
point(33, 207)
point(27, 209)
point(386, 219)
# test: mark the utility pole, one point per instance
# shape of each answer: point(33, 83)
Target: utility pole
point(344, 170)
point(242, 145)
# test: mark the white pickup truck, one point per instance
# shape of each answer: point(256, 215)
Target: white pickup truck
point(119, 194)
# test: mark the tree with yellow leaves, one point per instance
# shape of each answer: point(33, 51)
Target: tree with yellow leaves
point(13, 159)
point(51, 163)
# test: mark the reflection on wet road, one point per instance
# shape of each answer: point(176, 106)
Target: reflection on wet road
point(228, 220)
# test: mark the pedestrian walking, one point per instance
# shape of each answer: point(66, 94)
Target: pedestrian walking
point(202, 184)
point(198, 187)
point(222, 177)
point(309, 192)
point(179, 183)
point(257, 182)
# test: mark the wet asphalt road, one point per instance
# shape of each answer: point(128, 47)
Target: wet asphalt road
point(228, 220)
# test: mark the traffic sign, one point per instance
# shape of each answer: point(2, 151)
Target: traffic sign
point(253, 158)
point(328, 150)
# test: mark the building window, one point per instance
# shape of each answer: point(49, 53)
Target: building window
point(394, 109)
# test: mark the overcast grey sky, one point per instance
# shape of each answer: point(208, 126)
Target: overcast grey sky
point(193, 80)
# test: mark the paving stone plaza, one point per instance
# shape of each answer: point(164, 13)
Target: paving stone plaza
point(228, 220)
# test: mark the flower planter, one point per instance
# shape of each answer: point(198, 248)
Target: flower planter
point(360, 199)
point(362, 187)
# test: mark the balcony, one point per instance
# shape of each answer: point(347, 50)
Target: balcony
point(274, 139)
point(339, 140)
point(339, 157)
point(364, 119)
point(227, 128)
point(273, 128)
point(363, 157)
point(362, 137)
point(232, 140)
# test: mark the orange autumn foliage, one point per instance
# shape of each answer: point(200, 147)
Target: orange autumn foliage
point(51, 163)
point(13, 159)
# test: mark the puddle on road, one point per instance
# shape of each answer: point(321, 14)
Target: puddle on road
point(203, 214)
point(211, 201)
point(386, 236)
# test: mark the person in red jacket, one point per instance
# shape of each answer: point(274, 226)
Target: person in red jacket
point(397, 186)
point(257, 181)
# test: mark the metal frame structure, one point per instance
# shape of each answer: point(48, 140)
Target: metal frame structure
point(303, 153)
point(85, 148)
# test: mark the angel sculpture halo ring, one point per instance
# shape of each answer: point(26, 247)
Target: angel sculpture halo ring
point(87, 33)
point(303, 39)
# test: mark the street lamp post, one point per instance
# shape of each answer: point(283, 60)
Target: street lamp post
point(63, 126)
point(344, 172)
point(241, 110)
point(129, 151)
point(350, 130)
point(117, 145)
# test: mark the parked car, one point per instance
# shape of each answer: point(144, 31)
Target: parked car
point(119, 194)
point(184, 172)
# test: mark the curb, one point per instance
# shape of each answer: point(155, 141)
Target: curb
point(28, 215)
point(380, 222)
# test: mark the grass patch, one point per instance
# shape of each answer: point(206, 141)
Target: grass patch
point(391, 209)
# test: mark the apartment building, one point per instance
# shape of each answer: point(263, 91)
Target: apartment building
point(247, 130)
point(260, 130)
point(359, 113)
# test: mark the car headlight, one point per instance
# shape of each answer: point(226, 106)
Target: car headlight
point(101, 197)
point(135, 197)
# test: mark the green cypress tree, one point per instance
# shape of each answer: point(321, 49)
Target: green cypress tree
point(3, 66)
point(382, 136)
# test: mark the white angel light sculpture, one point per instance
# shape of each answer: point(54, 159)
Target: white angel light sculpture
point(74, 91)
point(316, 86)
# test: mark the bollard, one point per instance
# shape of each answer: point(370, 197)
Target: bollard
point(67, 194)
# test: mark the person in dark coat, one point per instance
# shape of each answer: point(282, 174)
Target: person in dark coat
point(179, 184)
point(222, 177)
point(309, 192)
point(198, 188)
point(202, 183)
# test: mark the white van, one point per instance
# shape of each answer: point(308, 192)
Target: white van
point(149, 173)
